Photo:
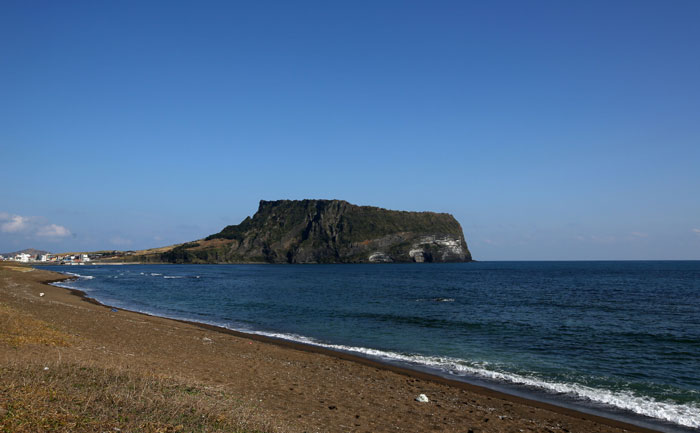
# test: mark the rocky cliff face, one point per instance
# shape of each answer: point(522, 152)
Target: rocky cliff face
point(328, 231)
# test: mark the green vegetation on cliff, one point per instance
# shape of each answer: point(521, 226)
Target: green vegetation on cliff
point(326, 231)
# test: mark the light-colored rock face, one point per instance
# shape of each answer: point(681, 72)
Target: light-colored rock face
point(445, 247)
point(427, 249)
point(452, 246)
point(417, 254)
point(379, 257)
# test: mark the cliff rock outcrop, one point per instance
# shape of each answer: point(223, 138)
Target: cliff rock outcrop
point(327, 231)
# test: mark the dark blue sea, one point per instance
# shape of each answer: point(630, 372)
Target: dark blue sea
point(620, 339)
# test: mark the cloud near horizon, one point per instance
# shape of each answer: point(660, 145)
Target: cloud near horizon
point(14, 223)
point(32, 226)
point(53, 231)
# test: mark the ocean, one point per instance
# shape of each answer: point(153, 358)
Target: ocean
point(619, 339)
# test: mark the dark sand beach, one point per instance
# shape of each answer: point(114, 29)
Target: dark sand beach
point(71, 364)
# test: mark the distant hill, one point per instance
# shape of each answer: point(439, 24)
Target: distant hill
point(30, 251)
point(324, 231)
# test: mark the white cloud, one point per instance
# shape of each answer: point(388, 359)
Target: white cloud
point(14, 223)
point(53, 231)
point(31, 226)
point(696, 231)
point(639, 235)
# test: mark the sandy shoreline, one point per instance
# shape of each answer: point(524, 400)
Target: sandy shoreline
point(301, 387)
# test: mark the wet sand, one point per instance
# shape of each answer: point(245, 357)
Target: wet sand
point(303, 388)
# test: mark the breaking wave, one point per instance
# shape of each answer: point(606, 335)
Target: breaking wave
point(86, 277)
point(682, 414)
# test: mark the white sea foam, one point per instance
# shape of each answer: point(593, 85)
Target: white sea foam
point(172, 276)
point(685, 414)
point(86, 277)
point(153, 274)
point(68, 286)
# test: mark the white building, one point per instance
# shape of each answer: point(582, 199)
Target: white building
point(22, 257)
point(84, 258)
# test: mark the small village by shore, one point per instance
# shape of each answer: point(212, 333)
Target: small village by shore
point(68, 259)
point(76, 258)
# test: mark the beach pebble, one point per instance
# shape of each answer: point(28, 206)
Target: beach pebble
point(46, 368)
point(41, 294)
point(422, 398)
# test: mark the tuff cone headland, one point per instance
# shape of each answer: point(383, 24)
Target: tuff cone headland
point(325, 231)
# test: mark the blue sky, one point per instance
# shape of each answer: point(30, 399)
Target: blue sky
point(551, 130)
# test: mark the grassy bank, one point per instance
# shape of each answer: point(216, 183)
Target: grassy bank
point(41, 392)
point(69, 397)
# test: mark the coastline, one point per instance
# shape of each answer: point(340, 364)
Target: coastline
point(464, 397)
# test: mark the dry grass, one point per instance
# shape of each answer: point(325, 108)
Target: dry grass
point(19, 329)
point(78, 398)
point(19, 268)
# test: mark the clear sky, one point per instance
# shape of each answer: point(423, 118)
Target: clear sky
point(550, 129)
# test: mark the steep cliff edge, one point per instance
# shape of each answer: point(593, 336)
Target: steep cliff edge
point(327, 231)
